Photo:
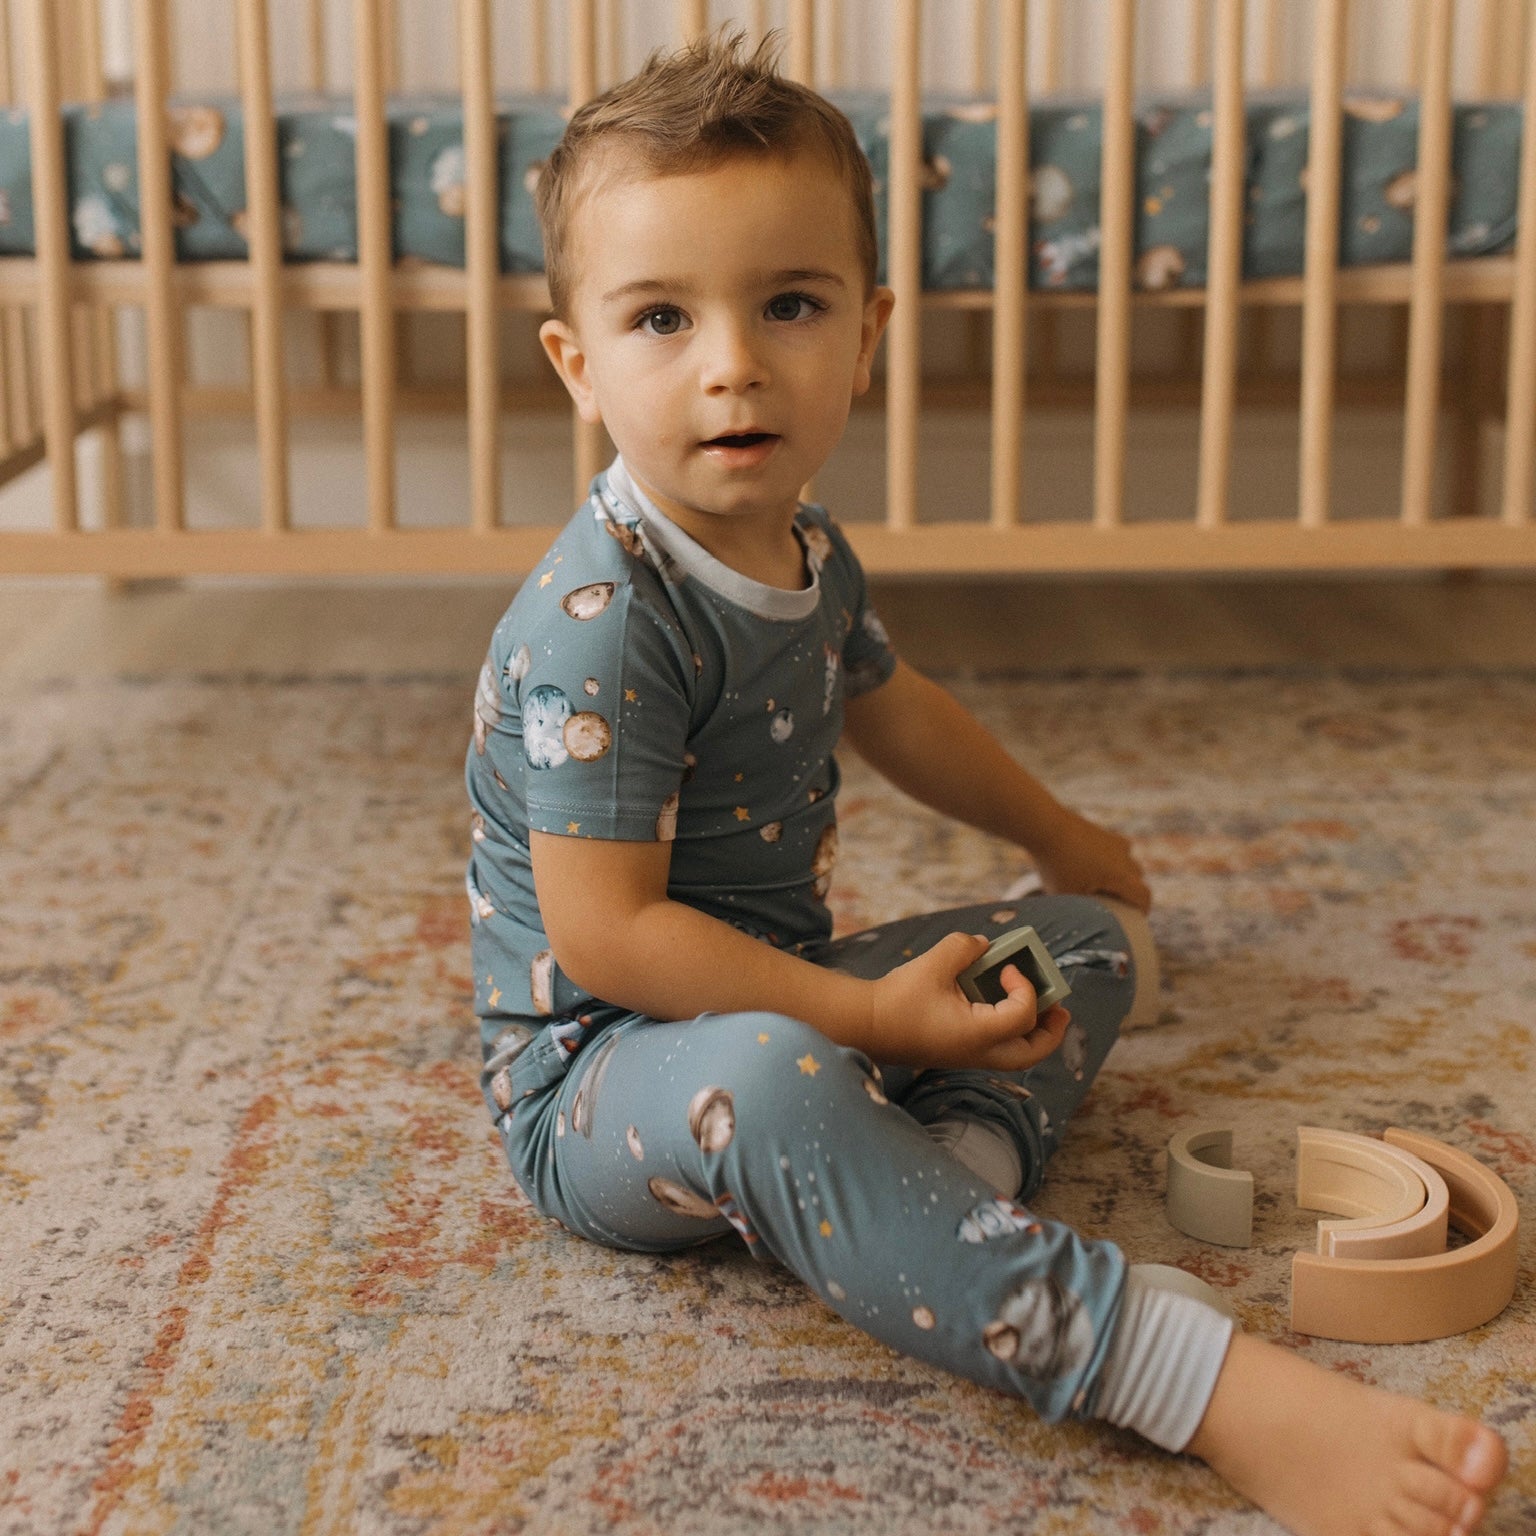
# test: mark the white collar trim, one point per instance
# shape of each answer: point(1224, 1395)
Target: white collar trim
point(690, 556)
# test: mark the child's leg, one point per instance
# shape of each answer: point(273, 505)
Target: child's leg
point(1033, 1107)
point(664, 1134)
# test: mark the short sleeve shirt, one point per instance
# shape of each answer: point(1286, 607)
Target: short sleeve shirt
point(639, 689)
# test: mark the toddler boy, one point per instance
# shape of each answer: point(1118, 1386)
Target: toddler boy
point(674, 1047)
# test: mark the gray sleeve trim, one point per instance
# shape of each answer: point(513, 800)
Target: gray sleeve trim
point(1162, 1365)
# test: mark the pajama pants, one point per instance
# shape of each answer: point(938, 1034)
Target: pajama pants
point(659, 1136)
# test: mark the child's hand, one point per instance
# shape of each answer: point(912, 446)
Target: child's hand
point(1081, 858)
point(923, 1019)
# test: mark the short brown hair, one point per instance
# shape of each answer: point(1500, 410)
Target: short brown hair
point(691, 110)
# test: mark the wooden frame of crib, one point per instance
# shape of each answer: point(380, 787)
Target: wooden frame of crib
point(80, 390)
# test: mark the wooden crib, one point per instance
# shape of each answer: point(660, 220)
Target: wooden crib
point(1462, 364)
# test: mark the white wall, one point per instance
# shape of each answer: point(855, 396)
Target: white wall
point(427, 38)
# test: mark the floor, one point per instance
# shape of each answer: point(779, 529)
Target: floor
point(64, 628)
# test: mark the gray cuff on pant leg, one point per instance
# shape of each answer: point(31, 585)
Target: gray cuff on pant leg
point(1163, 1361)
point(987, 1150)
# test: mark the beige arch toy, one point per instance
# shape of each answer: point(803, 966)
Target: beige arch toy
point(1397, 1204)
point(1406, 1301)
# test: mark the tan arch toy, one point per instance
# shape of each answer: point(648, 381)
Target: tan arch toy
point(1397, 1204)
point(1383, 1275)
point(1404, 1301)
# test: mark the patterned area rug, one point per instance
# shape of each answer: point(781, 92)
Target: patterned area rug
point(264, 1270)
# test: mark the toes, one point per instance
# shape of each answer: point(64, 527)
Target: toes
point(1431, 1503)
point(1484, 1460)
point(1467, 1450)
point(1402, 1517)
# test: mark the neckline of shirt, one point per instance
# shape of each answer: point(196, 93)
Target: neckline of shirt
point(689, 555)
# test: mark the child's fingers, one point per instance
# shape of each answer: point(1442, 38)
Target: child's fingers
point(1022, 1052)
point(955, 951)
point(1014, 1016)
point(1021, 1001)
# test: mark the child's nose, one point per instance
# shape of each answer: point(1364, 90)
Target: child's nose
point(733, 362)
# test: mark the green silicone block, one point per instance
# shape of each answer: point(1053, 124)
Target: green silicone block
point(1024, 948)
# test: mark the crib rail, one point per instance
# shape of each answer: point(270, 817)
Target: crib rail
point(60, 373)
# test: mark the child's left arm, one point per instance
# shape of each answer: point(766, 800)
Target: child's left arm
point(927, 743)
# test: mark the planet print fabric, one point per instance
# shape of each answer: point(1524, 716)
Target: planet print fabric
point(1173, 148)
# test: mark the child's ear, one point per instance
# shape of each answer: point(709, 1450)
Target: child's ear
point(563, 347)
point(877, 315)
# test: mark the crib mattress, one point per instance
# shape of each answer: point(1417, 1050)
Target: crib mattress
point(1173, 155)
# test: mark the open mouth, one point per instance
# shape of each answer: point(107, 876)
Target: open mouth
point(739, 440)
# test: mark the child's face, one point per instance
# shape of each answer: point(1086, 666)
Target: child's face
point(720, 329)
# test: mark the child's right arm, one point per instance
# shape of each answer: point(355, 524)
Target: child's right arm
point(616, 933)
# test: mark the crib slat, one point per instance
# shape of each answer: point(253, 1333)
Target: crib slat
point(1427, 310)
point(21, 353)
point(832, 64)
point(482, 260)
point(1010, 313)
point(375, 258)
point(161, 309)
point(1219, 373)
point(1520, 420)
point(802, 41)
point(12, 359)
point(1117, 223)
point(587, 451)
point(264, 236)
point(1274, 39)
point(610, 31)
point(1319, 310)
point(52, 215)
point(1418, 43)
point(1519, 21)
point(981, 45)
point(315, 30)
point(107, 383)
point(904, 271)
point(1200, 64)
point(1054, 49)
point(538, 45)
point(692, 18)
point(319, 76)
point(1490, 19)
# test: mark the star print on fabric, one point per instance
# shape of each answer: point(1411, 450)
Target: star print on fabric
point(743, 814)
point(763, 1039)
point(739, 777)
point(546, 578)
point(573, 827)
point(826, 1229)
point(629, 695)
point(809, 1065)
point(495, 997)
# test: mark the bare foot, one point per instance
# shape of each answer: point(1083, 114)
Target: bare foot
point(1326, 1456)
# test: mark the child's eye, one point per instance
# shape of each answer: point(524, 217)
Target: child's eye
point(663, 320)
point(793, 306)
